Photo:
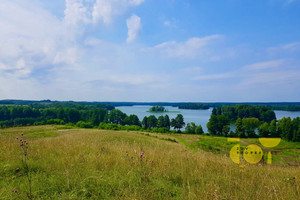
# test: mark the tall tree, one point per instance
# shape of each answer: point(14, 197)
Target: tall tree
point(145, 123)
point(167, 122)
point(239, 129)
point(152, 121)
point(216, 123)
point(178, 122)
point(161, 122)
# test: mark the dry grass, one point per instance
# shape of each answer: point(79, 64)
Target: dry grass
point(93, 164)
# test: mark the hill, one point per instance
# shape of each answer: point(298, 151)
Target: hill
point(100, 164)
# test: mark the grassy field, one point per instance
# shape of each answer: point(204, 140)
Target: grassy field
point(100, 164)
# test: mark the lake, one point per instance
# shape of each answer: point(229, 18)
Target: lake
point(198, 116)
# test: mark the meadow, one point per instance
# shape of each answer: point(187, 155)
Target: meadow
point(69, 163)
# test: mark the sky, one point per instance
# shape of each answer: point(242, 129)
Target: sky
point(150, 50)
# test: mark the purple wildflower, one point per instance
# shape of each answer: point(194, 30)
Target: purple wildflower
point(20, 175)
point(18, 169)
point(150, 173)
point(142, 153)
point(15, 191)
point(21, 144)
point(22, 134)
point(17, 138)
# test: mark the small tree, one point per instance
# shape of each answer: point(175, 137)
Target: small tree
point(190, 128)
point(199, 130)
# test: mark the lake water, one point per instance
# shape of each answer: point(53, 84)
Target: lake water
point(198, 116)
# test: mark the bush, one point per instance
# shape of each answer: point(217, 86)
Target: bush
point(55, 121)
point(83, 124)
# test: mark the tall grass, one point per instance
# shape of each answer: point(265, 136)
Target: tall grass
point(101, 164)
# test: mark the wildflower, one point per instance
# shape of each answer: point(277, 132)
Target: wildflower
point(151, 161)
point(22, 134)
point(17, 138)
point(142, 153)
point(131, 157)
point(150, 173)
point(143, 157)
point(15, 191)
point(20, 175)
point(18, 169)
point(21, 144)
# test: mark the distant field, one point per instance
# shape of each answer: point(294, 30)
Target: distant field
point(101, 164)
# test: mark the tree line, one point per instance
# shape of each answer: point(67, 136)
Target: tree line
point(252, 121)
point(84, 116)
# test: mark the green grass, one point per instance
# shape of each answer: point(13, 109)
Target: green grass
point(93, 164)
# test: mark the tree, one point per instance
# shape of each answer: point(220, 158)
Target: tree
point(268, 116)
point(167, 122)
point(296, 129)
point(225, 130)
point(214, 111)
point(161, 122)
point(199, 130)
point(263, 130)
point(190, 128)
point(216, 123)
point(116, 116)
point(272, 129)
point(249, 125)
point(178, 122)
point(239, 129)
point(152, 121)
point(145, 123)
point(285, 128)
point(132, 120)
point(157, 109)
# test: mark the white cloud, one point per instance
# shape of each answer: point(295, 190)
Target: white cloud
point(133, 25)
point(105, 10)
point(290, 47)
point(29, 39)
point(189, 49)
point(265, 65)
point(102, 10)
point(212, 77)
point(75, 12)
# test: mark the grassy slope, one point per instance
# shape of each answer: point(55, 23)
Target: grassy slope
point(93, 164)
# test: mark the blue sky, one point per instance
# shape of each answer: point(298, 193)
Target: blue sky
point(149, 50)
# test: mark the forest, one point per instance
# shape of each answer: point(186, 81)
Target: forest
point(250, 121)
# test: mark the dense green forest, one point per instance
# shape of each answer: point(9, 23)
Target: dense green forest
point(194, 106)
point(252, 121)
point(85, 116)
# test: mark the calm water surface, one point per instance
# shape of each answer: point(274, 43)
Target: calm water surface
point(198, 116)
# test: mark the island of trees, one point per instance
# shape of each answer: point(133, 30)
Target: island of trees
point(157, 109)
